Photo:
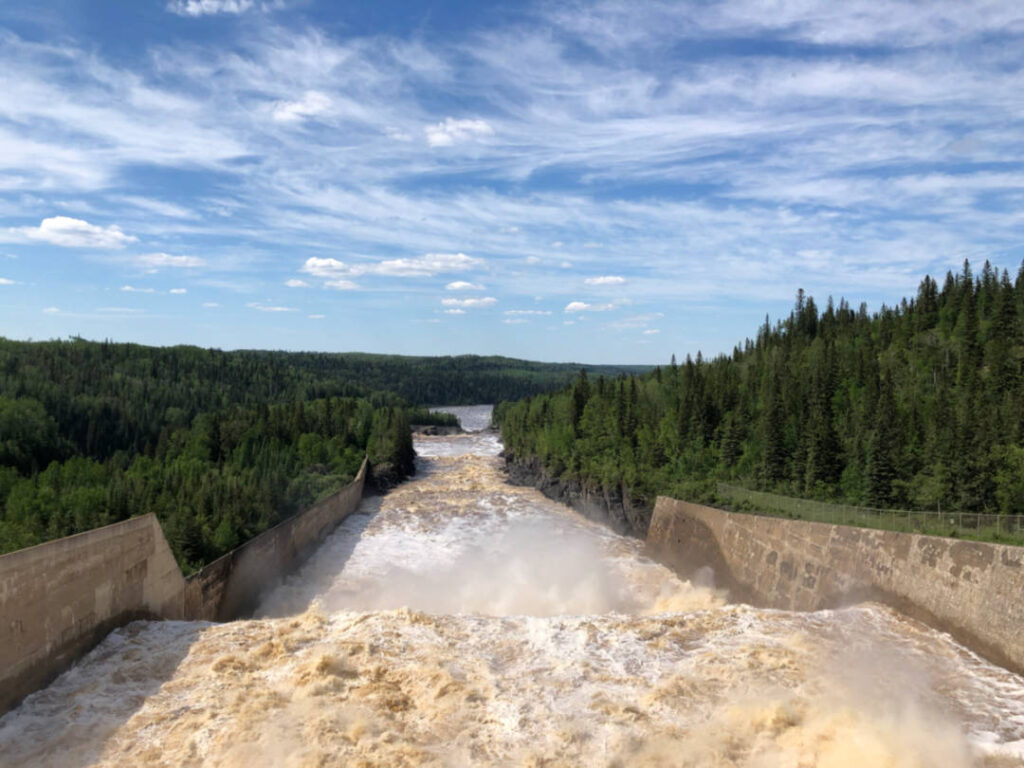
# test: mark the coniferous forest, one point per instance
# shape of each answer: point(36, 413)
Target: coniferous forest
point(920, 405)
point(220, 445)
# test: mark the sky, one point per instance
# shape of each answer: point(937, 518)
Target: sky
point(604, 182)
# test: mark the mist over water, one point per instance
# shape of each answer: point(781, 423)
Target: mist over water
point(462, 621)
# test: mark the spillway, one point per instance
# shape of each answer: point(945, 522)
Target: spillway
point(461, 621)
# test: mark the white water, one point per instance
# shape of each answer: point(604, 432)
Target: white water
point(463, 621)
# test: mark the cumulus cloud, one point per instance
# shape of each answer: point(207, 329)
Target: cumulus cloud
point(296, 283)
point(462, 285)
point(133, 289)
point(196, 8)
point(582, 306)
point(487, 301)
point(312, 103)
point(156, 261)
point(427, 265)
point(605, 280)
point(452, 131)
point(266, 308)
point(76, 233)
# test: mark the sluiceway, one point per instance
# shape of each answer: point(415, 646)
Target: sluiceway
point(463, 621)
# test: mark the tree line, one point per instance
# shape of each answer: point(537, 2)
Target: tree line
point(918, 405)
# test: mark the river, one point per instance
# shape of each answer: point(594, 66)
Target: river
point(462, 621)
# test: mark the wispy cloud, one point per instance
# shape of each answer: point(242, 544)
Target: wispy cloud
point(605, 280)
point(155, 261)
point(269, 308)
point(422, 266)
point(178, 291)
point(195, 8)
point(462, 285)
point(487, 301)
point(133, 289)
point(451, 131)
point(296, 283)
point(582, 306)
point(6, 281)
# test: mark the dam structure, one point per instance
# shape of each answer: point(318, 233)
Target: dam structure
point(462, 620)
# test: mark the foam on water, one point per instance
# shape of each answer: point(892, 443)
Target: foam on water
point(462, 621)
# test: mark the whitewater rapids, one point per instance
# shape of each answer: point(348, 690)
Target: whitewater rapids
point(462, 621)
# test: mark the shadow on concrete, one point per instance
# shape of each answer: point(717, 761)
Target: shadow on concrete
point(296, 593)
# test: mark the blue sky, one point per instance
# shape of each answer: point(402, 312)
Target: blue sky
point(597, 182)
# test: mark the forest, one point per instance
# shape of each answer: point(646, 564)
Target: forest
point(220, 445)
point(919, 405)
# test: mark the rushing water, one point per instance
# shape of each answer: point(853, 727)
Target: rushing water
point(462, 621)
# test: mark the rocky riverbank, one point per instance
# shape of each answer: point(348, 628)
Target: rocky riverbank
point(613, 508)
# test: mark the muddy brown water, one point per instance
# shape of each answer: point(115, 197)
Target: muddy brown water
point(462, 621)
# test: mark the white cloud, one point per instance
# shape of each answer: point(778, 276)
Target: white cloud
point(455, 311)
point(210, 304)
point(312, 103)
point(519, 312)
point(179, 291)
point(196, 8)
point(266, 308)
point(532, 260)
point(462, 285)
point(582, 306)
point(451, 131)
point(119, 310)
point(156, 261)
point(295, 283)
point(316, 317)
point(341, 285)
point(133, 289)
point(51, 310)
point(427, 265)
point(605, 280)
point(6, 281)
point(487, 301)
point(636, 321)
point(76, 233)
point(651, 331)
point(515, 320)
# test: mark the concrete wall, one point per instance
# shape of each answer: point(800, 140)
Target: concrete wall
point(973, 590)
point(231, 586)
point(59, 599)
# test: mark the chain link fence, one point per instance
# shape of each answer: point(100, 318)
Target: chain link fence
point(1004, 529)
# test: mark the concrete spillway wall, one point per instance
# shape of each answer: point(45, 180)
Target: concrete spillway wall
point(59, 599)
point(973, 590)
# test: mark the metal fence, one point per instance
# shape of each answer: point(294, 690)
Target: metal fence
point(1006, 529)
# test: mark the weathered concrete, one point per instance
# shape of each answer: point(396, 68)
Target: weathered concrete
point(973, 590)
point(613, 508)
point(59, 599)
point(231, 586)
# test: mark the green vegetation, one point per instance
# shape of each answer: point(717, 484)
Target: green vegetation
point(229, 476)
point(920, 405)
point(1006, 529)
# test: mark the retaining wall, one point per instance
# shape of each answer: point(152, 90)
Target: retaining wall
point(973, 590)
point(59, 599)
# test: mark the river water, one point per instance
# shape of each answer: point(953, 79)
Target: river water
point(462, 621)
